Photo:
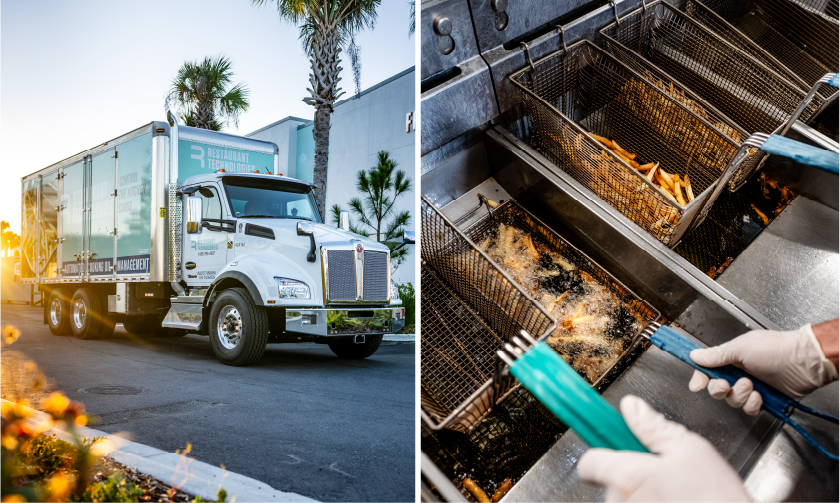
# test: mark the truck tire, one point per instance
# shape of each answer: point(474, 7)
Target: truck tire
point(58, 313)
point(238, 328)
point(353, 351)
point(87, 315)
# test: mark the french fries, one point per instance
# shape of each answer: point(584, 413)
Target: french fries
point(503, 489)
point(476, 491)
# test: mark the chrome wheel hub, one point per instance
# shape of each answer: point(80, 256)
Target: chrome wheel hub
point(55, 312)
point(229, 327)
point(79, 313)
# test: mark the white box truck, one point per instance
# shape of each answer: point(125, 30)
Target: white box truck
point(172, 230)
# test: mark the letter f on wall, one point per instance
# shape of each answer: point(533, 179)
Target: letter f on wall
point(200, 155)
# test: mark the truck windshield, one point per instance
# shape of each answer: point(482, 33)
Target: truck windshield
point(259, 197)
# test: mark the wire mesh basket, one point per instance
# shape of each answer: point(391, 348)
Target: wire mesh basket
point(470, 309)
point(583, 89)
point(798, 37)
point(463, 290)
point(691, 56)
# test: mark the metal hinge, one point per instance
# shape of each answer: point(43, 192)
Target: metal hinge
point(114, 155)
point(61, 240)
point(114, 193)
point(114, 232)
point(60, 208)
point(60, 176)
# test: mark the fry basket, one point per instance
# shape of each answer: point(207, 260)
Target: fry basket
point(691, 56)
point(460, 375)
point(798, 37)
point(470, 309)
point(582, 89)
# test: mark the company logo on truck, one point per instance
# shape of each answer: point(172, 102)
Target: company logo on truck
point(204, 244)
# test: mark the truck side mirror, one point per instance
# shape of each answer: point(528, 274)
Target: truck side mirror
point(344, 220)
point(304, 229)
point(194, 212)
point(408, 239)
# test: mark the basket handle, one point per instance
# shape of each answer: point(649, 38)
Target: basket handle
point(831, 79)
point(825, 160)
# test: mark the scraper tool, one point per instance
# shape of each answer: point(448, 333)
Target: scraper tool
point(540, 369)
point(778, 404)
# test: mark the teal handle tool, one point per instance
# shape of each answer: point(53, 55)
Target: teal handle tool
point(567, 395)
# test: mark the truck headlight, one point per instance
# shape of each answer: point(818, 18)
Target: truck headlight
point(291, 289)
point(395, 292)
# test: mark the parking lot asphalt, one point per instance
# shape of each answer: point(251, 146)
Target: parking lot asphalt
point(300, 419)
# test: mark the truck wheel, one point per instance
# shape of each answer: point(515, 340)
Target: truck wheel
point(357, 351)
point(58, 313)
point(86, 315)
point(238, 328)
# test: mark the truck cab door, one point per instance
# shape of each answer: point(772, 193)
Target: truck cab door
point(206, 251)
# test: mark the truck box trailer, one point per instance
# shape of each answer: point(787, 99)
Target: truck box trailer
point(172, 230)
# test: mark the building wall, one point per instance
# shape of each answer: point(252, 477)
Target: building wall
point(360, 127)
point(284, 134)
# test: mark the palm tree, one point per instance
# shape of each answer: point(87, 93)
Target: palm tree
point(326, 26)
point(200, 92)
point(381, 185)
point(411, 21)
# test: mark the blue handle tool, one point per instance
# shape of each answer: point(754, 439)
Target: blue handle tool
point(778, 404)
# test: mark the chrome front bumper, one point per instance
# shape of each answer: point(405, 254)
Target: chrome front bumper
point(329, 322)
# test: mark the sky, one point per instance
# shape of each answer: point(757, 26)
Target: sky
point(74, 74)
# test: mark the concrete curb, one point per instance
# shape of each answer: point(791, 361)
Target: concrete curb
point(196, 477)
point(399, 337)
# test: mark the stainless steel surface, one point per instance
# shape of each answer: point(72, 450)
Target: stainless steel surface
point(523, 16)
point(173, 217)
point(662, 381)
point(159, 252)
point(367, 321)
point(790, 272)
point(790, 469)
point(183, 315)
point(457, 105)
point(459, 208)
point(457, 12)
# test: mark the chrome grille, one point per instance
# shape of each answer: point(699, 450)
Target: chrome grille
point(341, 275)
point(376, 275)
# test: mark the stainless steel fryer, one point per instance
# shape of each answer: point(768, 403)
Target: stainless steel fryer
point(457, 160)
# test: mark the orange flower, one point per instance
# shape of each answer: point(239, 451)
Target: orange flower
point(56, 404)
point(10, 334)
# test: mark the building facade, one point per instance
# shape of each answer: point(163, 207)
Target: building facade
point(378, 118)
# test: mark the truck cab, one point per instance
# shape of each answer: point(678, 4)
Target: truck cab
point(261, 264)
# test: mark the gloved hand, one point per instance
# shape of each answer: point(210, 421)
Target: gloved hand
point(792, 362)
point(684, 466)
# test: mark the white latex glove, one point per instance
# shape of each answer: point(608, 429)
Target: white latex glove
point(792, 362)
point(684, 466)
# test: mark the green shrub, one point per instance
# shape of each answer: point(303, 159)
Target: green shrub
point(408, 297)
point(115, 488)
point(48, 454)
